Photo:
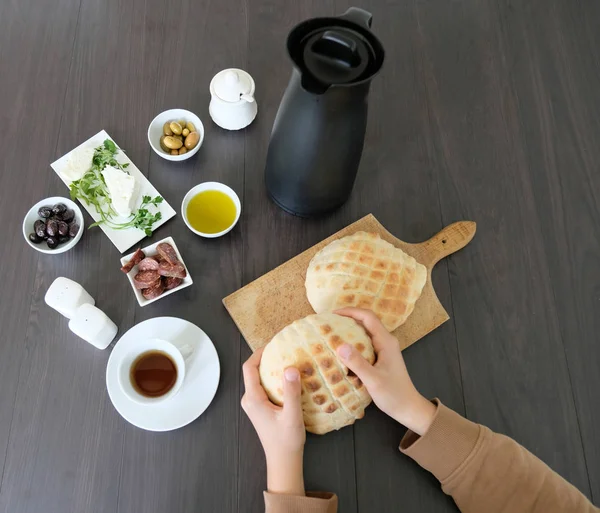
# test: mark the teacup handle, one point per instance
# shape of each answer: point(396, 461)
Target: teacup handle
point(186, 351)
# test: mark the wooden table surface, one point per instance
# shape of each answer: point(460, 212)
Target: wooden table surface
point(484, 110)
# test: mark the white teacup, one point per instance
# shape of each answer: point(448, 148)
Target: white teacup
point(178, 356)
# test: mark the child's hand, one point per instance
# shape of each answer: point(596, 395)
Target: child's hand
point(280, 429)
point(387, 381)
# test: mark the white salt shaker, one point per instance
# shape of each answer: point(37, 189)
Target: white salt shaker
point(93, 326)
point(66, 296)
point(232, 104)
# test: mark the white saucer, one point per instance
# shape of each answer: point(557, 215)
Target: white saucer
point(197, 391)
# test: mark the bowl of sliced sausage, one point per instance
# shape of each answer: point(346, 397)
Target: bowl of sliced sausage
point(156, 271)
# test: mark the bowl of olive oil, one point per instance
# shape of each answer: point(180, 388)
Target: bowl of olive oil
point(211, 209)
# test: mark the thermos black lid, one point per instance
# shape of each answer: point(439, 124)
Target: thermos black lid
point(336, 55)
point(336, 51)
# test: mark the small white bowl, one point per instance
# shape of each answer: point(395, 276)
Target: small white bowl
point(155, 132)
point(151, 251)
point(32, 216)
point(211, 186)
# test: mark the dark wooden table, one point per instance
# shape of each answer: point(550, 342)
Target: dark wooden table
point(485, 110)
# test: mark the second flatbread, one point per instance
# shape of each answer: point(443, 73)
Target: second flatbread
point(364, 271)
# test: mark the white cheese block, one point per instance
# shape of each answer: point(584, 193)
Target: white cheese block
point(93, 325)
point(66, 296)
point(77, 163)
point(121, 187)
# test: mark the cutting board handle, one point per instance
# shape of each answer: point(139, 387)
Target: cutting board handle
point(451, 239)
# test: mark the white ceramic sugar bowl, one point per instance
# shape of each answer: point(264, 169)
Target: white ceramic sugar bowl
point(232, 103)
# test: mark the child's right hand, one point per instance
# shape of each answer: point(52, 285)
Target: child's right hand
point(387, 381)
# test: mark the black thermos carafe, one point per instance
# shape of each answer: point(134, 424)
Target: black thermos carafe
point(319, 131)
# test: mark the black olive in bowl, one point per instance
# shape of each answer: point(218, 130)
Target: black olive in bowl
point(52, 227)
point(73, 229)
point(39, 227)
point(35, 238)
point(63, 228)
point(59, 208)
point(68, 215)
point(45, 212)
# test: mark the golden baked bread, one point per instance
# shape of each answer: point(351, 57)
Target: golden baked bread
point(365, 271)
point(331, 399)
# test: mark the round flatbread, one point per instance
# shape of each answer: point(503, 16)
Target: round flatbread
point(364, 271)
point(331, 396)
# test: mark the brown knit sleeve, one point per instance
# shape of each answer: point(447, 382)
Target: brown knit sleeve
point(485, 471)
point(314, 502)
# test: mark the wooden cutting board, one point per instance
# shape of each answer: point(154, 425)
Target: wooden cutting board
point(268, 304)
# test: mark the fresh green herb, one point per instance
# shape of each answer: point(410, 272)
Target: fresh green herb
point(92, 189)
point(142, 218)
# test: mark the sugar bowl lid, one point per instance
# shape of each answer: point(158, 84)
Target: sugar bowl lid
point(233, 85)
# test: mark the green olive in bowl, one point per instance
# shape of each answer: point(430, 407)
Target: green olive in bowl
point(176, 128)
point(163, 146)
point(191, 140)
point(172, 142)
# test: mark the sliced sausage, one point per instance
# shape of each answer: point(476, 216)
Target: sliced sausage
point(145, 279)
point(148, 264)
point(166, 251)
point(171, 283)
point(154, 291)
point(137, 257)
point(172, 270)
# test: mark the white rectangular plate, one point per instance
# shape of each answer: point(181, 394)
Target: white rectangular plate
point(122, 239)
point(151, 251)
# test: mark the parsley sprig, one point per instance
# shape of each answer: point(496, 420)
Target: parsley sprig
point(92, 189)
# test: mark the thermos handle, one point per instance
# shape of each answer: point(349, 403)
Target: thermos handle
point(358, 16)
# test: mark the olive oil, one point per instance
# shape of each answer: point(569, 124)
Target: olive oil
point(211, 212)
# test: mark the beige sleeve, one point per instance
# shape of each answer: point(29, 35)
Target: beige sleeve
point(485, 471)
point(314, 502)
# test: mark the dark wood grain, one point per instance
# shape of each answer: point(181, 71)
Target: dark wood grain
point(37, 44)
point(559, 124)
point(484, 110)
point(514, 370)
